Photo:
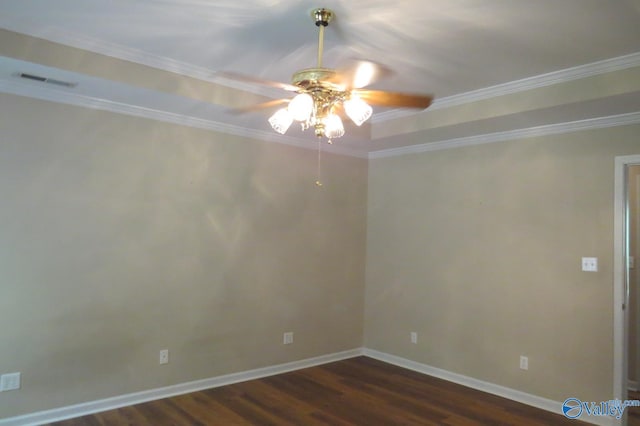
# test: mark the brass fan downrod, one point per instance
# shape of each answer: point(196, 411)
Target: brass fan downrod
point(322, 17)
point(311, 76)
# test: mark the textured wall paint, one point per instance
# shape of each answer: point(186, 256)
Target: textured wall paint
point(478, 250)
point(122, 236)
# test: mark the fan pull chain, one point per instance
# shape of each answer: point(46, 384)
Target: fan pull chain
point(319, 171)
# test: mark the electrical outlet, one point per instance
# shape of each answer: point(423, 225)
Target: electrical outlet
point(414, 337)
point(9, 382)
point(524, 362)
point(288, 338)
point(590, 264)
point(164, 356)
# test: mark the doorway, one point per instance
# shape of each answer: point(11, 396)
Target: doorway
point(633, 222)
point(633, 278)
point(624, 367)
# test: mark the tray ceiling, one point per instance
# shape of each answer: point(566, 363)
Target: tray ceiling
point(520, 60)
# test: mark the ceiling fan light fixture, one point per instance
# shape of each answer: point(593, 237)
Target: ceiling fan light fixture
point(365, 74)
point(281, 120)
point(319, 92)
point(301, 107)
point(333, 127)
point(358, 110)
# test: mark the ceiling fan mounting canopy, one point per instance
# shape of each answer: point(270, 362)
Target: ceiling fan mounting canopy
point(322, 16)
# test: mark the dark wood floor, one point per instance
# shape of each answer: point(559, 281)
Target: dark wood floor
point(357, 391)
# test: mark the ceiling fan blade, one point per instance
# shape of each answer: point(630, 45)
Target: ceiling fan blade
point(257, 107)
point(254, 80)
point(358, 74)
point(394, 99)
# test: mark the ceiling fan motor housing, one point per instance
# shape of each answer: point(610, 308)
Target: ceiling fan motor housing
point(309, 77)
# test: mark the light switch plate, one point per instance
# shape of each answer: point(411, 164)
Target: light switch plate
point(164, 356)
point(9, 382)
point(590, 264)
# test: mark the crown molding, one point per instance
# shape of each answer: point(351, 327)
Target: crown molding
point(556, 77)
point(113, 50)
point(168, 64)
point(67, 97)
point(545, 130)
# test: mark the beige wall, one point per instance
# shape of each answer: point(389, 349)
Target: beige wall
point(478, 250)
point(122, 236)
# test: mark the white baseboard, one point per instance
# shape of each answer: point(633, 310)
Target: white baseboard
point(49, 416)
point(512, 394)
point(92, 407)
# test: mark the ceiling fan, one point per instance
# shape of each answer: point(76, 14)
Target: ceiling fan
point(323, 94)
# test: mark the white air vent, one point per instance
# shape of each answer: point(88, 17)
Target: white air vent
point(45, 79)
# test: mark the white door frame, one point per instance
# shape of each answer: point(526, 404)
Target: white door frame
point(620, 287)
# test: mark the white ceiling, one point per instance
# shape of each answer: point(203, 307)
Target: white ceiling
point(453, 49)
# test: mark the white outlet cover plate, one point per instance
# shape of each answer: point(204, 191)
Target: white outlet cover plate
point(524, 363)
point(590, 264)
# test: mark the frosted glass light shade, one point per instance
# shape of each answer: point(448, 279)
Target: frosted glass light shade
point(333, 127)
point(357, 110)
point(301, 107)
point(364, 74)
point(281, 120)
